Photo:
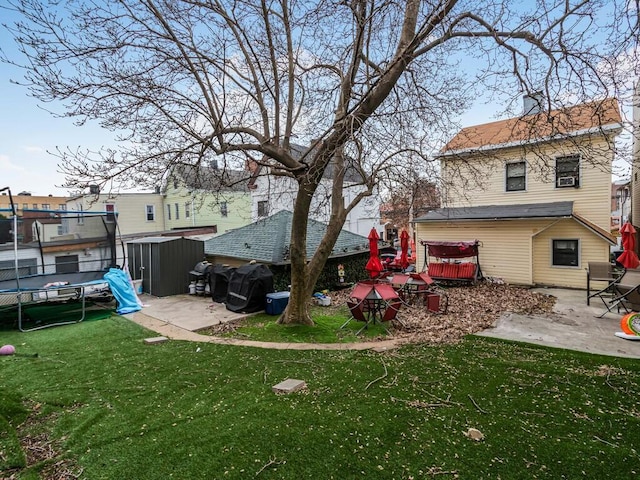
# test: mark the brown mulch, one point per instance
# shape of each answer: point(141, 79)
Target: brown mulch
point(471, 309)
point(39, 449)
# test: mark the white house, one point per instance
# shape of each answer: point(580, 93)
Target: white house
point(271, 194)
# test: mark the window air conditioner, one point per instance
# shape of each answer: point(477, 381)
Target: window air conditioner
point(566, 181)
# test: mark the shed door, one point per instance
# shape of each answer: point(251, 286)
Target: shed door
point(146, 261)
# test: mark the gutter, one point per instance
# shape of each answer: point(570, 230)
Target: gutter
point(485, 148)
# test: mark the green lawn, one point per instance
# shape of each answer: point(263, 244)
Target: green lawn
point(109, 406)
point(326, 329)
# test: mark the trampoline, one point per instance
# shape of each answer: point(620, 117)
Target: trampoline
point(54, 256)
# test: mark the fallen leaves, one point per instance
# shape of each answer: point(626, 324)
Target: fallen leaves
point(471, 309)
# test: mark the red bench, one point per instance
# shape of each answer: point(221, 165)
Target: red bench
point(465, 271)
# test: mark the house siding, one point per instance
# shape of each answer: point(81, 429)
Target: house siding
point(130, 207)
point(591, 199)
point(592, 248)
point(280, 194)
point(205, 209)
point(519, 251)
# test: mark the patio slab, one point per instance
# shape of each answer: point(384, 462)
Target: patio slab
point(572, 325)
point(190, 312)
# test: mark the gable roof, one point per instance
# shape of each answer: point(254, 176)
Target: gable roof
point(514, 212)
point(351, 175)
point(587, 118)
point(211, 178)
point(268, 240)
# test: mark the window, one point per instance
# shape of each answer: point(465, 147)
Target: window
point(35, 206)
point(187, 209)
point(62, 206)
point(263, 208)
point(60, 230)
point(223, 209)
point(46, 206)
point(168, 212)
point(568, 171)
point(516, 173)
point(151, 213)
point(111, 212)
point(67, 264)
point(177, 211)
point(25, 206)
point(565, 253)
point(80, 216)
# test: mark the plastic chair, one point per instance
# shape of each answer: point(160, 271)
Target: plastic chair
point(624, 291)
point(600, 272)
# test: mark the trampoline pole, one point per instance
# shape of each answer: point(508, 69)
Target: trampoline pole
point(14, 211)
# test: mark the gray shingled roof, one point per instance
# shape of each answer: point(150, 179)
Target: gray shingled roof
point(211, 178)
point(267, 240)
point(494, 212)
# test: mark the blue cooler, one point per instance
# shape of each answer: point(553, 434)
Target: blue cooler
point(276, 302)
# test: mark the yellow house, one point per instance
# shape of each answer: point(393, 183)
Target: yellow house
point(534, 190)
point(135, 212)
point(206, 196)
point(25, 201)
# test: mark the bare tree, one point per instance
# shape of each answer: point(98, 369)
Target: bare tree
point(183, 81)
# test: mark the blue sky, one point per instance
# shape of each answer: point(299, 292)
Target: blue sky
point(28, 132)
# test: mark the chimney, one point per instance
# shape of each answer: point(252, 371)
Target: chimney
point(532, 103)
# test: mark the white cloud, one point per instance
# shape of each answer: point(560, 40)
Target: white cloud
point(32, 149)
point(7, 166)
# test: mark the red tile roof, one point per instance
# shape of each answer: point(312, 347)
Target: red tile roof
point(585, 117)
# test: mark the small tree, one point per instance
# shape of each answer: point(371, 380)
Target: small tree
point(368, 81)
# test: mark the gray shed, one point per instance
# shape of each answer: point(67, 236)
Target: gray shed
point(164, 263)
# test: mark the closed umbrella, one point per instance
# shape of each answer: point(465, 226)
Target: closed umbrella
point(374, 265)
point(404, 249)
point(628, 258)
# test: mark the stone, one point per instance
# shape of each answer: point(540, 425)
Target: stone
point(289, 385)
point(155, 340)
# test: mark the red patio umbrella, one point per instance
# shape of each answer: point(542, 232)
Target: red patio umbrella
point(628, 259)
point(404, 249)
point(374, 265)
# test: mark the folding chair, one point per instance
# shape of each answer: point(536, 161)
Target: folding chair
point(357, 310)
point(600, 272)
point(625, 291)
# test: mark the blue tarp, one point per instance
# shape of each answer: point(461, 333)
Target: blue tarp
point(123, 291)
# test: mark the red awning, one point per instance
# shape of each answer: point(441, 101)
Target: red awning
point(440, 249)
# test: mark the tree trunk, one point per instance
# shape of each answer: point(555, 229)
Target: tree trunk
point(304, 275)
point(297, 311)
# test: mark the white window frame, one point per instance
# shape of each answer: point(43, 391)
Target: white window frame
point(177, 211)
point(224, 209)
point(168, 211)
point(80, 219)
point(187, 209)
point(150, 209)
point(506, 176)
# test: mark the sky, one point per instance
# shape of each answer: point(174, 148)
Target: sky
point(28, 132)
